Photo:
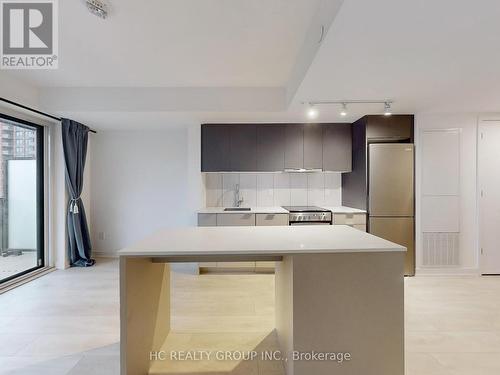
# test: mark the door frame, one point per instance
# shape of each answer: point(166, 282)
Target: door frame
point(493, 120)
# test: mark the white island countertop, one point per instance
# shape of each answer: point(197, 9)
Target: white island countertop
point(264, 241)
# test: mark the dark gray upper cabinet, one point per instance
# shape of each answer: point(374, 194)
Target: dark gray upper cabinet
point(275, 147)
point(337, 148)
point(243, 154)
point(270, 148)
point(215, 148)
point(390, 128)
point(294, 147)
point(313, 146)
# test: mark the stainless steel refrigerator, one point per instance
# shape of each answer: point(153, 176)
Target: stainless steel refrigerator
point(391, 196)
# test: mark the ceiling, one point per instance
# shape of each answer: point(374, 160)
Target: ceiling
point(234, 60)
point(429, 56)
point(178, 43)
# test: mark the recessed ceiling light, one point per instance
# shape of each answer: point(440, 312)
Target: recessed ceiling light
point(312, 112)
point(387, 109)
point(343, 111)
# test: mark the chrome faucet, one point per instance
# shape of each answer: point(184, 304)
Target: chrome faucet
point(238, 197)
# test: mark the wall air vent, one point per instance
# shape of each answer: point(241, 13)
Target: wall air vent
point(440, 249)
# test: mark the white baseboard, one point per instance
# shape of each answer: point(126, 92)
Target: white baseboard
point(447, 272)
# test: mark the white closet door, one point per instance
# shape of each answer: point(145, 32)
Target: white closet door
point(489, 197)
point(441, 181)
point(440, 215)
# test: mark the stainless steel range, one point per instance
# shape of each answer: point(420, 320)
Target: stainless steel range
point(308, 215)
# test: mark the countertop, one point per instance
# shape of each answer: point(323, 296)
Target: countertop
point(265, 241)
point(276, 210)
point(253, 210)
point(344, 210)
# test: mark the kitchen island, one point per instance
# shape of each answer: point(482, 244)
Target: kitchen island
point(338, 290)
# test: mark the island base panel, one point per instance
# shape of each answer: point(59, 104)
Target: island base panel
point(145, 311)
point(347, 302)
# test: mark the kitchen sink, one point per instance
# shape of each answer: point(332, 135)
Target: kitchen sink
point(237, 209)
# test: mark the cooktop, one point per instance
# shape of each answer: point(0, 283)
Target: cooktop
point(304, 209)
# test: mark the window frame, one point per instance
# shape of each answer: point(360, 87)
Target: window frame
point(40, 192)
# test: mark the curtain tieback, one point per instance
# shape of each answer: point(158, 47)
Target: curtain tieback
point(73, 206)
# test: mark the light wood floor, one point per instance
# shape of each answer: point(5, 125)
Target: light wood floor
point(67, 323)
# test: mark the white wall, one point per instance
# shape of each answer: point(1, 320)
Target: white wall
point(18, 91)
point(142, 181)
point(468, 209)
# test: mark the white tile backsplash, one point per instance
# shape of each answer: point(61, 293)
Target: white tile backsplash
point(248, 189)
point(298, 189)
point(213, 189)
point(333, 189)
point(274, 189)
point(281, 189)
point(315, 189)
point(229, 182)
point(265, 190)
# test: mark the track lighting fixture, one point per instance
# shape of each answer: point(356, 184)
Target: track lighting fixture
point(343, 111)
point(387, 109)
point(312, 112)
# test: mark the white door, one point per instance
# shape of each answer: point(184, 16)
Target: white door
point(489, 196)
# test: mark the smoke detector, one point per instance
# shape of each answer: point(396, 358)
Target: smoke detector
point(98, 8)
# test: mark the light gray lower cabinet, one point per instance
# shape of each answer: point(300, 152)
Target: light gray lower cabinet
point(355, 220)
point(271, 219)
point(226, 220)
point(207, 220)
point(241, 219)
point(235, 220)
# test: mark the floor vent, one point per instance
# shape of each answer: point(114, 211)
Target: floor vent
point(440, 249)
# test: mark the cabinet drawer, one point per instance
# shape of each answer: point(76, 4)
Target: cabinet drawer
point(232, 220)
point(349, 219)
point(207, 220)
point(271, 219)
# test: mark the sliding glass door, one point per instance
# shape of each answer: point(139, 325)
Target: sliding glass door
point(21, 198)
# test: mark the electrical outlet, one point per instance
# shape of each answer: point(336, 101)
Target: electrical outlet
point(101, 236)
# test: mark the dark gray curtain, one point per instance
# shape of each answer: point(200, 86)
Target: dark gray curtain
point(75, 139)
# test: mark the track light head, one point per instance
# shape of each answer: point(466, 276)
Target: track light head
point(387, 109)
point(312, 112)
point(343, 111)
